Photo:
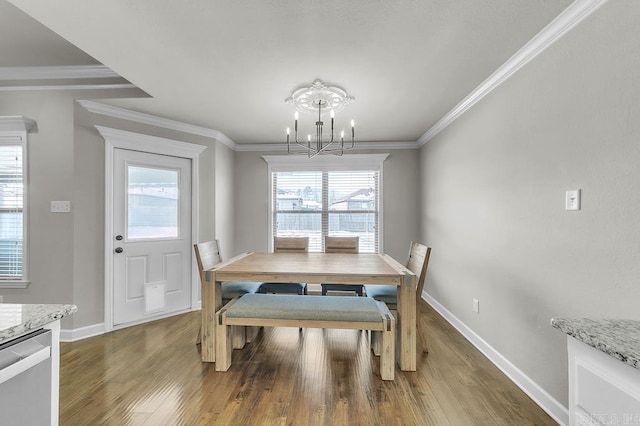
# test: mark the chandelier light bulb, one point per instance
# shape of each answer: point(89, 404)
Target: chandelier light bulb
point(342, 134)
point(288, 131)
point(333, 114)
point(295, 116)
point(353, 123)
point(309, 137)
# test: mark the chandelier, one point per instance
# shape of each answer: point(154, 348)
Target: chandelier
point(319, 98)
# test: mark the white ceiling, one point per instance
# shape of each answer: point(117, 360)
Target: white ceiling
point(229, 65)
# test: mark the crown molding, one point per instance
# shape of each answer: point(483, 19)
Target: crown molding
point(57, 72)
point(67, 87)
point(282, 147)
point(564, 22)
point(152, 120)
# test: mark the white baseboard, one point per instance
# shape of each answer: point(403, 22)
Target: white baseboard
point(97, 329)
point(81, 333)
point(557, 411)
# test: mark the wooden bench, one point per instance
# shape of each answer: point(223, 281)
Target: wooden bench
point(280, 310)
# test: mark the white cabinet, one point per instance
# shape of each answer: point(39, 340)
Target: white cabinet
point(602, 389)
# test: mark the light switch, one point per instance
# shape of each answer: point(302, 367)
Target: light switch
point(572, 199)
point(60, 206)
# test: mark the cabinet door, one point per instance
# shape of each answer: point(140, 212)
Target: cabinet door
point(602, 390)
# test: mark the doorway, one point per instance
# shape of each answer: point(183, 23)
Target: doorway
point(152, 227)
point(151, 223)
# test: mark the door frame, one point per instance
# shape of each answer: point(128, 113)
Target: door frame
point(121, 139)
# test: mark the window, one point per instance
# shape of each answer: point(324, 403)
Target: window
point(317, 200)
point(12, 247)
point(13, 201)
point(152, 202)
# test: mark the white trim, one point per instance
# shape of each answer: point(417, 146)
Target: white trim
point(555, 409)
point(82, 332)
point(67, 87)
point(146, 143)
point(282, 147)
point(564, 22)
point(15, 283)
point(115, 138)
point(57, 72)
point(279, 163)
point(17, 125)
point(152, 120)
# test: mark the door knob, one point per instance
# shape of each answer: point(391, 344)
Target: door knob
point(119, 250)
point(119, 237)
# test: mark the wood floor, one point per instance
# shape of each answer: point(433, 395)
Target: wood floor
point(152, 375)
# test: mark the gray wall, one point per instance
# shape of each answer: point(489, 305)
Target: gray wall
point(493, 187)
point(400, 198)
point(50, 161)
point(66, 162)
point(224, 199)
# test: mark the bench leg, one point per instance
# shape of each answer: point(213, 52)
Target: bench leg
point(223, 344)
point(388, 355)
point(251, 333)
point(376, 342)
point(238, 336)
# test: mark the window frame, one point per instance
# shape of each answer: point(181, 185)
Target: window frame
point(328, 163)
point(14, 132)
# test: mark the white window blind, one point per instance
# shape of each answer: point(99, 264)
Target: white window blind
point(11, 210)
point(321, 203)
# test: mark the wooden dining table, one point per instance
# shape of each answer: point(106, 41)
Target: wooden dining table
point(315, 268)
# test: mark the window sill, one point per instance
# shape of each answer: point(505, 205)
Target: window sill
point(14, 284)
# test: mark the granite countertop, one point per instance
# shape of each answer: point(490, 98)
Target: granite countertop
point(618, 338)
point(18, 319)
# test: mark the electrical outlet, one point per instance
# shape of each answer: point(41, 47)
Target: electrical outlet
point(476, 306)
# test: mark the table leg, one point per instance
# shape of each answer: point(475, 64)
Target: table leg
point(407, 323)
point(211, 294)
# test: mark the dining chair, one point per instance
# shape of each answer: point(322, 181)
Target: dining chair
point(417, 263)
point(348, 245)
point(208, 255)
point(287, 245)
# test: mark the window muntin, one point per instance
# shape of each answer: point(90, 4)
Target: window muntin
point(12, 246)
point(320, 203)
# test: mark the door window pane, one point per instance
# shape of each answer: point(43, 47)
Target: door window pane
point(152, 203)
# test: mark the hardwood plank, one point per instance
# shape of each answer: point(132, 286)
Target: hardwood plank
point(152, 374)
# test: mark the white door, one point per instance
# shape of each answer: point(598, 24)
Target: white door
point(152, 236)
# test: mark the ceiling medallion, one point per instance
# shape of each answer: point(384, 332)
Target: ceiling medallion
point(319, 98)
point(307, 99)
